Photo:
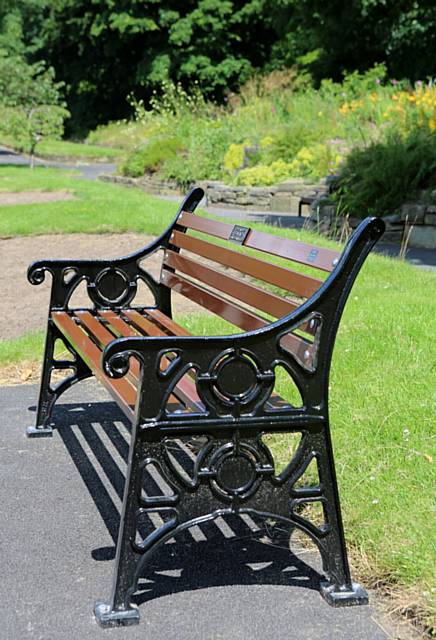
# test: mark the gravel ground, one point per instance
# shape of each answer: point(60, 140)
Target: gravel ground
point(25, 307)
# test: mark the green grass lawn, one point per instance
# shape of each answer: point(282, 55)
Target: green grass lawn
point(383, 394)
point(73, 150)
point(100, 206)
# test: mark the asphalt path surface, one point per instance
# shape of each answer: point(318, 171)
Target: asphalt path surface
point(60, 500)
point(88, 171)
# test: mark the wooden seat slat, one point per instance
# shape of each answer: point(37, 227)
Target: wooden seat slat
point(185, 391)
point(105, 337)
point(320, 258)
point(145, 326)
point(292, 281)
point(174, 328)
point(243, 291)
point(121, 390)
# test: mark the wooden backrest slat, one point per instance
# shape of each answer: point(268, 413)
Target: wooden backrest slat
point(231, 312)
point(245, 292)
point(122, 390)
point(238, 316)
point(324, 259)
point(292, 281)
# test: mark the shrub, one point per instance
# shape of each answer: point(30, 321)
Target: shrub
point(264, 174)
point(235, 156)
point(376, 180)
point(150, 157)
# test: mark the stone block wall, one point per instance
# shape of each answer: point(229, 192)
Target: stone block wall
point(282, 198)
point(419, 216)
point(417, 220)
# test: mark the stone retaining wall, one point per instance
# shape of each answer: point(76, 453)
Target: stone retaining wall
point(285, 198)
point(282, 198)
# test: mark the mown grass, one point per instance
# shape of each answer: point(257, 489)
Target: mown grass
point(382, 406)
point(72, 150)
point(28, 347)
point(383, 395)
point(99, 207)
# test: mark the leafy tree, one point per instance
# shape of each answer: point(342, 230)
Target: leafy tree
point(105, 50)
point(355, 35)
point(31, 104)
point(21, 26)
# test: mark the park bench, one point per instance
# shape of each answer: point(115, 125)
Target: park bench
point(215, 397)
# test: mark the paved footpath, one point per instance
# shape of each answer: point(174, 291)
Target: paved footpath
point(60, 501)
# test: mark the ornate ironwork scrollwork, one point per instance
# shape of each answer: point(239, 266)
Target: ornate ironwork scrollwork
point(235, 383)
point(112, 287)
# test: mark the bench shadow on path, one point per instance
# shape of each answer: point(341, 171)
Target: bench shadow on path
point(230, 551)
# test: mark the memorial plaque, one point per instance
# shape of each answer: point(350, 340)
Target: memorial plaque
point(239, 234)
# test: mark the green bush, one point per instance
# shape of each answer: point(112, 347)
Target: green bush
point(150, 157)
point(276, 128)
point(377, 179)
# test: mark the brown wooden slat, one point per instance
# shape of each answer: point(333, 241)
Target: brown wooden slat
point(301, 252)
point(231, 312)
point(118, 324)
point(228, 310)
point(103, 336)
point(150, 329)
point(186, 390)
point(121, 390)
point(147, 327)
point(243, 291)
point(174, 328)
point(282, 277)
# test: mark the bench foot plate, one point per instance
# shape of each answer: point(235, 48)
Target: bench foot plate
point(39, 432)
point(337, 597)
point(109, 618)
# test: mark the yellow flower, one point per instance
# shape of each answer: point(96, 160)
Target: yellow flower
point(344, 109)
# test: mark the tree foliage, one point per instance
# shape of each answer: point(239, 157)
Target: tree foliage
point(337, 36)
point(106, 50)
point(30, 101)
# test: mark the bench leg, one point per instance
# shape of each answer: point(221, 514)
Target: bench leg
point(118, 611)
point(339, 590)
point(201, 502)
point(49, 394)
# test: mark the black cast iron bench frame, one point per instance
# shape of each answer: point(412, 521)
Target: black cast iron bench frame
point(228, 401)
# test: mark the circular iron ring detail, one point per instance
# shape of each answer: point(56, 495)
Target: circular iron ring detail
point(235, 474)
point(235, 377)
point(112, 285)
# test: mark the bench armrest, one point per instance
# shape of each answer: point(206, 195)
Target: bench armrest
point(111, 282)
